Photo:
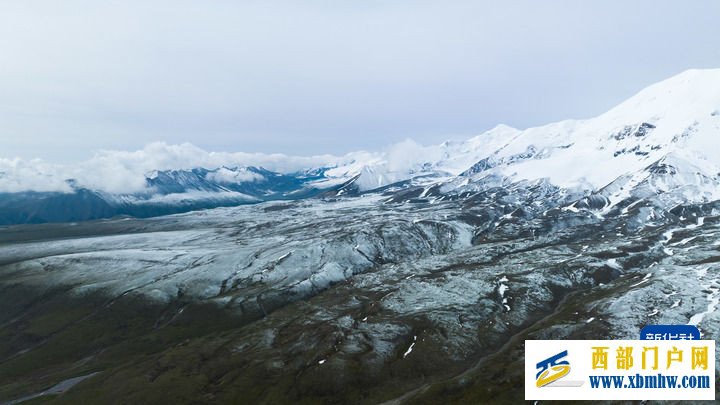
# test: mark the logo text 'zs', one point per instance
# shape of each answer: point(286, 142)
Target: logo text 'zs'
point(552, 369)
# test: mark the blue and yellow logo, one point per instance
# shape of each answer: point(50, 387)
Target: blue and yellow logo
point(552, 369)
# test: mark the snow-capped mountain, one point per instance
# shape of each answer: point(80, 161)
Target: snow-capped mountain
point(679, 116)
point(662, 140)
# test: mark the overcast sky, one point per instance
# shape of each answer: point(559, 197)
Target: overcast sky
point(311, 77)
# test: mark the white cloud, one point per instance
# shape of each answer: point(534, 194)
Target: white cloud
point(225, 175)
point(18, 175)
point(408, 155)
point(125, 172)
point(121, 172)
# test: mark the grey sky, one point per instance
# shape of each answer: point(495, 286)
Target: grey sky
point(310, 77)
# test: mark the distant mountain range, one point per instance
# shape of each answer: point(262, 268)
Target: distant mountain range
point(661, 141)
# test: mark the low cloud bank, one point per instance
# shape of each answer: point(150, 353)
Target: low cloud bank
point(125, 172)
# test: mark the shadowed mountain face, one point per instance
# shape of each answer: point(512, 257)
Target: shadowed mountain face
point(166, 192)
point(420, 290)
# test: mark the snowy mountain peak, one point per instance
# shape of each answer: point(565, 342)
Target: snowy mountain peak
point(679, 115)
point(692, 93)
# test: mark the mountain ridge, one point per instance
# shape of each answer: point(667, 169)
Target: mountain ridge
point(678, 117)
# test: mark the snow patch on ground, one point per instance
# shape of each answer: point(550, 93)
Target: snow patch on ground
point(410, 349)
point(714, 299)
point(643, 281)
